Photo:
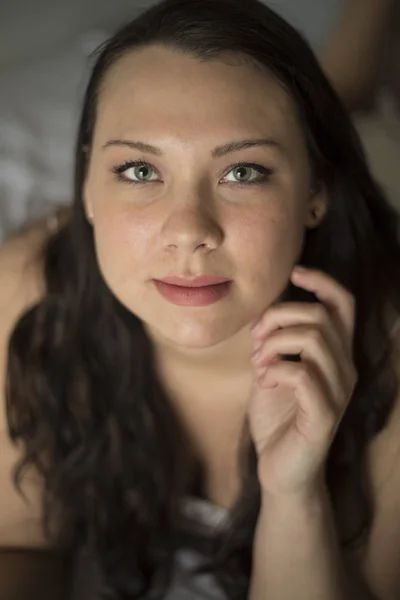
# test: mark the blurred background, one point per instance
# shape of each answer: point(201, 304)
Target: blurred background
point(44, 66)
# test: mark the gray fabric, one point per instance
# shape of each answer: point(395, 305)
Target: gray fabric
point(184, 585)
point(315, 19)
point(47, 25)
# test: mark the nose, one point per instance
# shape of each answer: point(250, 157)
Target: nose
point(191, 226)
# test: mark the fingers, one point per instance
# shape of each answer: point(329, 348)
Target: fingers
point(338, 300)
point(336, 373)
point(336, 310)
point(289, 314)
point(316, 415)
point(321, 333)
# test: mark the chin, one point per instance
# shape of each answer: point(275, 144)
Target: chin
point(198, 335)
point(195, 339)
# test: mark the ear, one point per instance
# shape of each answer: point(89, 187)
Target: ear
point(317, 207)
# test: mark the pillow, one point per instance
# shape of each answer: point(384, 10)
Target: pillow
point(39, 112)
point(315, 20)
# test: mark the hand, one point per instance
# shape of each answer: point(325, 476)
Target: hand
point(295, 409)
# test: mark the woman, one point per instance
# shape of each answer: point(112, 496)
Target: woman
point(211, 143)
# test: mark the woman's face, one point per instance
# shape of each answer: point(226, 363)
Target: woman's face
point(192, 212)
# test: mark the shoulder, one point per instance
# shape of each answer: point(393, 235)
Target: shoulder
point(384, 449)
point(21, 286)
point(381, 562)
point(21, 265)
point(21, 281)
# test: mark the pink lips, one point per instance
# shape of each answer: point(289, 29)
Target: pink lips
point(199, 294)
point(200, 281)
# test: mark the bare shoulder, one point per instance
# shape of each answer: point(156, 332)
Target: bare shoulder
point(21, 285)
point(380, 565)
point(21, 282)
point(384, 450)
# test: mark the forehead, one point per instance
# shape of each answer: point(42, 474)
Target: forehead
point(157, 89)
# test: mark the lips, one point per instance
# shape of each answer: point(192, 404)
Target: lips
point(193, 296)
point(200, 281)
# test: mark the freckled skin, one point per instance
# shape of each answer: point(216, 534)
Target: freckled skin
point(255, 233)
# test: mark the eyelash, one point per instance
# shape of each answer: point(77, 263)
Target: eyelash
point(120, 169)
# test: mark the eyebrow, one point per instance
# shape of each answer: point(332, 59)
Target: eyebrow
point(216, 153)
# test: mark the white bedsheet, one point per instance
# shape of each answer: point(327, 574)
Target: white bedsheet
point(39, 112)
point(40, 104)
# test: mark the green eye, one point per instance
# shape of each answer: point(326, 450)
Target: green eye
point(239, 171)
point(242, 173)
point(140, 169)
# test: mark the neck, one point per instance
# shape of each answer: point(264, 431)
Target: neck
point(217, 361)
point(209, 390)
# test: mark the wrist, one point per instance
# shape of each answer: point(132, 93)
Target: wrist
point(309, 498)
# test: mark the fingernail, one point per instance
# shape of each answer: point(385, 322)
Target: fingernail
point(299, 269)
point(257, 328)
point(256, 323)
point(255, 355)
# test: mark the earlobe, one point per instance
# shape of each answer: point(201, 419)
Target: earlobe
point(317, 208)
point(314, 217)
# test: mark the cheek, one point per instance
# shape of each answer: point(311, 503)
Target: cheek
point(122, 247)
point(274, 239)
point(274, 245)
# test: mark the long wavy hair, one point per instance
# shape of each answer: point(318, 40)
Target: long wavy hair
point(82, 393)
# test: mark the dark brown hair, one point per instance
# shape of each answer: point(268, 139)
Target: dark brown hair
point(82, 393)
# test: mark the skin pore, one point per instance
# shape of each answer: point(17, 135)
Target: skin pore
point(192, 216)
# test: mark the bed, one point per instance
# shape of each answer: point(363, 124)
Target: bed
point(44, 65)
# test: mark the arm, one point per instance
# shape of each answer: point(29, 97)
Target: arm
point(21, 286)
point(61, 214)
point(297, 556)
point(353, 56)
point(296, 550)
